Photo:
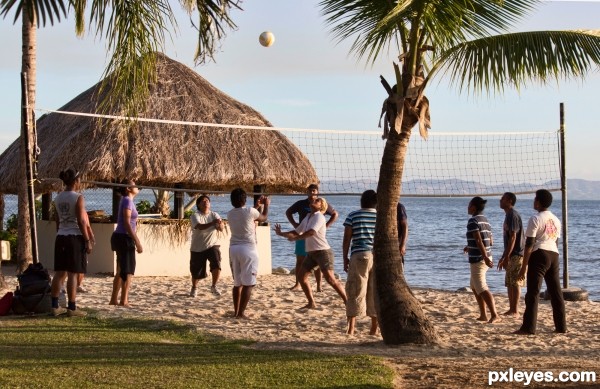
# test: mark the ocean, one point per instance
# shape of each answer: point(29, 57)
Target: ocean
point(437, 226)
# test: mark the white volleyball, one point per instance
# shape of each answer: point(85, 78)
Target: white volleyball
point(266, 38)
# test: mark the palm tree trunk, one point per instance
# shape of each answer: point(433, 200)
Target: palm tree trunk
point(401, 318)
point(29, 34)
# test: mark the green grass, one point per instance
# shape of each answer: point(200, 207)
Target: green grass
point(46, 352)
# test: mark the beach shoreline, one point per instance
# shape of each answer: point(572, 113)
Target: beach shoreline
point(467, 349)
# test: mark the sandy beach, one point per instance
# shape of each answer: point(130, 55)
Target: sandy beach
point(467, 351)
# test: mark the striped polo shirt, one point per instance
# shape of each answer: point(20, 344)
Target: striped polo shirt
point(362, 223)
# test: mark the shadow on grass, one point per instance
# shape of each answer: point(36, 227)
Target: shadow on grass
point(42, 351)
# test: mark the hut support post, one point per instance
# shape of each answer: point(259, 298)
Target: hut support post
point(46, 201)
point(178, 201)
point(116, 199)
point(258, 191)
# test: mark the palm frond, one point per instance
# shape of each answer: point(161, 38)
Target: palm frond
point(213, 20)
point(39, 10)
point(492, 63)
point(135, 31)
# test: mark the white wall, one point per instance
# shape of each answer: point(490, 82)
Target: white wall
point(158, 259)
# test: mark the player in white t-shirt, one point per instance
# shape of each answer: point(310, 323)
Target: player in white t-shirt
point(540, 260)
point(318, 253)
point(205, 245)
point(243, 253)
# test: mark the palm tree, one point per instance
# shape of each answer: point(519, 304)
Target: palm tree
point(135, 31)
point(468, 41)
point(31, 12)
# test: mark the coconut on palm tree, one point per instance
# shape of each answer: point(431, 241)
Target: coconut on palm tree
point(469, 42)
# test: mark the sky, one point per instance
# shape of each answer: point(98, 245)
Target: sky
point(309, 80)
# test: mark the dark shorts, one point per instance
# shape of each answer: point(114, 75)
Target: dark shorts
point(198, 262)
point(321, 258)
point(124, 246)
point(69, 254)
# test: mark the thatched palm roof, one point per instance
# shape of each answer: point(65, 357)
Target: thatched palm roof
point(165, 154)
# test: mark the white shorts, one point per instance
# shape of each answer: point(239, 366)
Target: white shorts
point(244, 264)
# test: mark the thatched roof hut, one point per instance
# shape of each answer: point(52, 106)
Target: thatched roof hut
point(157, 154)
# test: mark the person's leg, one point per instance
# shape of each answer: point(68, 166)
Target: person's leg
point(331, 280)
point(535, 274)
point(303, 280)
point(299, 260)
point(57, 282)
point(351, 325)
point(245, 295)
point(374, 325)
point(117, 283)
point(216, 273)
point(194, 271)
point(477, 288)
point(236, 293)
point(72, 290)
point(356, 289)
point(318, 279)
point(481, 305)
point(125, 290)
point(553, 286)
point(488, 298)
point(514, 292)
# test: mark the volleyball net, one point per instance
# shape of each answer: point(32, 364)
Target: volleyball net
point(444, 165)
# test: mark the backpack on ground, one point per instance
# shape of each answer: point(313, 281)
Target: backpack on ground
point(33, 292)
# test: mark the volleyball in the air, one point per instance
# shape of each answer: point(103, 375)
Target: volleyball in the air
point(266, 38)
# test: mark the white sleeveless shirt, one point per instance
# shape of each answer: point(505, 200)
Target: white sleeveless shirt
point(66, 211)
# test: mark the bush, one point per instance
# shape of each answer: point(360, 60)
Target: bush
point(144, 207)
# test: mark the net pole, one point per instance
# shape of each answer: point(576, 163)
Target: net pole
point(563, 189)
point(27, 113)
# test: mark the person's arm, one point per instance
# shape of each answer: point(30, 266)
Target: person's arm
point(332, 218)
point(290, 216)
point(346, 246)
point(512, 238)
point(529, 242)
point(289, 235)
point(482, 249)
point(82, 223)
point(129, 229)
point(265, 201)
point(404, 233)
point(204, 226)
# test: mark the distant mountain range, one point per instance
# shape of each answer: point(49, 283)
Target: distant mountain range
point(577, 189)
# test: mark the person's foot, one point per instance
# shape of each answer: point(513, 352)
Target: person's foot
point(81, 289)
point(482, 318)
point(193, 292)
point(243, 317)
point(309, 306)
point(215, 291)
point(296, 287)
point(560, 331)
point(522, 332)
point(510, 313)
point(319, 288)
point(58, 311)
point(76, 313)
point(113, 303)
point(494, 318)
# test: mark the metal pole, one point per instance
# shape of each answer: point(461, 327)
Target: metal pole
point(563, 189)
point(25, 132)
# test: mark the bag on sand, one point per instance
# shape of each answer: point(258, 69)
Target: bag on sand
point(6, 303)
point(33, 293)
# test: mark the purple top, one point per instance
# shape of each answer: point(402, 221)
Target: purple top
point(126, 203)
